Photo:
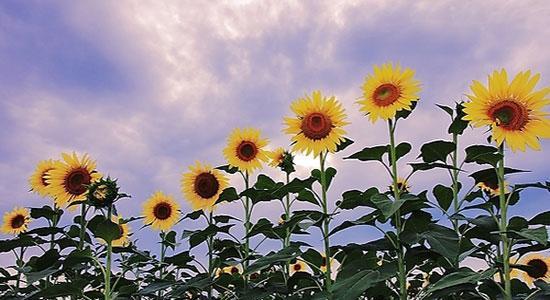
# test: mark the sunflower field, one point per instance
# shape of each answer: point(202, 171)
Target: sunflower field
point(78, 245)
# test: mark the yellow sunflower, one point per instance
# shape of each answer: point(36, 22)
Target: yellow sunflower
point(276, 157)
point(16, 221)
point(202, 186)
point(124, 238)
point(39, 178)
point(298, 266)
point(231, 270)
point(69, 180)
point(492, 188)
point(161, 211)
point(402, 185)
point(512, 109)
point(539, 269)
point(245, 149)
point(388, 91)
point(318, 124)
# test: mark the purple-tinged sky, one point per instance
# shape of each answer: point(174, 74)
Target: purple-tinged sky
point(148, 87)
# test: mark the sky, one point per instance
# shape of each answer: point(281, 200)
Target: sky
point(148, 87)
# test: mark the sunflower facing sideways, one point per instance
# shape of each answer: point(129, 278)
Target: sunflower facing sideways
point(513, 109)
point(39, 178)
point(161, 211)
point(245, 149)
point(202, 186)
point(16, 221)
point(388, 91)
point(276, 157)
point(69, 180)
point(318, 124)
point(539, 269)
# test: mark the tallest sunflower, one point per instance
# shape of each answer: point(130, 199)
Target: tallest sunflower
point(513, 109)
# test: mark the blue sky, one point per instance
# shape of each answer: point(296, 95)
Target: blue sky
point(148, 87)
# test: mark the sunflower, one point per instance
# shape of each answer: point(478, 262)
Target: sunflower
point(512, 109)
point(161, 211)
point(318, 124)
point(402, 185)
point(298, 266)
point(202, 186)
point(69, 180)
point(276, 157)
point(245, 149)
point(16, 221)
point(123, 239)
point(491, 187)
point(388, 91)
point(539, 269)
point(39, 178)
point(231, 270)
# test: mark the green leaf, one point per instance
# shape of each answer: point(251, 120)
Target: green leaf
point(364, 220)
point(307, 196)
point(463, 276)
point(542, 219)
point(370, 153)
point(386, 205)
point(400, 150)
point(273, 258)
point(436, 150)
point(405, 113)
point(539, 234)
point(429, 166)
point(73, 288)
point(482, 154)
point(442, 240)
point(352, 287)
point(447, 109)
point(228, 195)
point(444, 196)
point(490, 175)
point(181, 260)
point(264, 182)
point(329, 175)
point(352, 199)
point(107, 230)
point(343, 144)
point(228, 169)
point(46, 212)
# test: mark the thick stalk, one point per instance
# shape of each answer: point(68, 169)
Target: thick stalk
point(82, 226)
point(286, 241)
point(402, 276)
point(108, 264)
point(247, 213)
point(210, 257)
point(161, 260)
point(503, 227)
point(326, 221)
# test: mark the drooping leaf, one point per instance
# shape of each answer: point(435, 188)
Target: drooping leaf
point(541, 219)
point(370, 153)
point(443, 195)
point(400, 150)
point(539, 235)
point(482, 154)
point(228, 195)
point(442, 240)
point(436, 151)
point(458, 125)
point(364, 220)
point(352, 287)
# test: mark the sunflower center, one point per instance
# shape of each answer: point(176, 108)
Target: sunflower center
point(491, 184)
point(44, 178)
point(509, 115)
point(316, 126)
point(77, 180)
point(206, 185)
point(234, 270)
point(538, 268)
point(386, 94)
point(247, 151)
point(162, 211)
point(297, 267)
point(323, 261)
point(18, 221)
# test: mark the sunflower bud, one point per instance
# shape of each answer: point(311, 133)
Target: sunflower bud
point(103, 193)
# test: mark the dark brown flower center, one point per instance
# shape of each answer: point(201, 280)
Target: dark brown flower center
point(254, 276)
point(491, 184)
point(323, 261)
point(386, 94)
point(316, 126)
point(44, 177)
point(538, 268)
point(509, 115)
point(120, 232)
point(297, 267)
point(234, 270)
point(17, 221)
point(162, 211)
point(77, 180)
point(247, 151)
point(206, 185)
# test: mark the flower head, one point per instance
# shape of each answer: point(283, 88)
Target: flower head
point(202, 186)
point(16, 221)
point(161, 211)
point(245, 149)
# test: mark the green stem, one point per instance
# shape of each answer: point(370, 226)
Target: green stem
point(108, 264)
point(286, 241)
point(503, 227)
point(82, 226)
point(210, 258)
point(247, 214)
point(326, 221)
point(456, 204)
point(402, 276)
point(161, 260)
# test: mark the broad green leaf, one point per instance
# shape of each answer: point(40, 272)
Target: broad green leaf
point(463, 276)
point(364, 220)
point(482, 154)
point(352, 199)
point(228, 169)
point(444, 196)
point(107, 230)
point(343, 144)
point(370, 153)
point(228, 195)
point(436, 151)
point(542, 219)
point(307, 196)
point(446, 108)
point(458, 125)
point(400, 150)
point(352, 287)
point(273, 258)
point(264, 182)
point(387, 206)
point(539, 234)
point(442, 240)
point(429, 166)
